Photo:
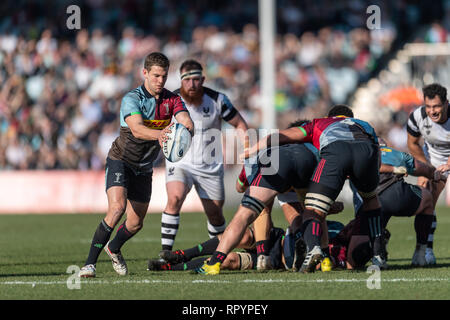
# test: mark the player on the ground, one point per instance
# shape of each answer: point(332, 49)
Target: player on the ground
point(431, 122)
point(145, 115)
point(348, 148)
point(293, 165)
point(202, 166)
point(281, 253)
point(401, 199)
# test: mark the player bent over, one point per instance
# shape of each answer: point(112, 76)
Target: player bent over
point(200, 167)
point(348, 148)
point(145, 115)
point(432, 122)
point(295, 164)
point(401, 199)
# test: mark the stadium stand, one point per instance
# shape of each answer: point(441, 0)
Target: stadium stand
point(61, 88)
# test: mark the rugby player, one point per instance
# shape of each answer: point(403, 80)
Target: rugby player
point(200, 166)
point(431, 122)
point(348, 149)
point(295, 164)
point(292, 206)
point(145, 115)
point(401, 199)
point(281, 253)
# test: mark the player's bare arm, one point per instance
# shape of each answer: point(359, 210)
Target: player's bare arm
point(184, 118)
point(140, 131)
point(241, 126)
point(285, 136)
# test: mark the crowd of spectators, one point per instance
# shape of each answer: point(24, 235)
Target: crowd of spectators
point(61, 89)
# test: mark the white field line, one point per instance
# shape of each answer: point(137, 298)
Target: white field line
point(209, 281)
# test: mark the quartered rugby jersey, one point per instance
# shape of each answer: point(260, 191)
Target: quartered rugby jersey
point(204, 156)
point(323, 131)
point(139, 154)
point(436, 136)
point(251, 165)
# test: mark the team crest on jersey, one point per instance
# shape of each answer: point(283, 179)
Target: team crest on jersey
point(206, 111)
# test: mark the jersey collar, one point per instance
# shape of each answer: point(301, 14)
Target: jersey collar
point(147, 94)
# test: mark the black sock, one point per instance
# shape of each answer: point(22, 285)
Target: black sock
point(431, 235)
point(101, 237)
point(121, 237)
point(206, 248)
point(371, 225)
point(190, 265)
point(326, 252)
point(217, 256)
point(312, 231)
point(263, 247)
point(422, 225)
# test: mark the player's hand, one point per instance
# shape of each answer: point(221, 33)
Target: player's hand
point(163, 134)
point(440, 176)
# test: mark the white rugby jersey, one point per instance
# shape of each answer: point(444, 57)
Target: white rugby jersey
point(205, 156)
point(435, 135)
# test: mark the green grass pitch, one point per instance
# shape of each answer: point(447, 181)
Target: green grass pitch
point(37, 250)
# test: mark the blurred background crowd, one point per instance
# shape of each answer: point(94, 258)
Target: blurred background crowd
point(61, 89)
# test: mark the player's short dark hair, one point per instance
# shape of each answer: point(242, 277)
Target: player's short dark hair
point(190, 64)
point(340, 110)
point(156, 59)
point(298, 123)
point(432, 90)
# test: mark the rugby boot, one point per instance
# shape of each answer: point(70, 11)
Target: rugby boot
point(418, 259)
point(118, 262)
point(429, 257)
point(88, 271)
point(208, 269)
point(312, 259)
point(173, 257)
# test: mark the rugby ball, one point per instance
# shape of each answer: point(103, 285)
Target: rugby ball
point(177, 144)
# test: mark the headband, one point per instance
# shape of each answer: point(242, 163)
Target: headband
point(190, 73)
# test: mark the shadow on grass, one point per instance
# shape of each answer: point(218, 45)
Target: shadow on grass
point(32, 274)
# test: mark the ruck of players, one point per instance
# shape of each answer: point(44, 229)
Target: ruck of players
point(304, 166)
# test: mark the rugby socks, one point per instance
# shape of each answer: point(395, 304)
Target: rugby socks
point(190, 265)
point(101, 237)
point(431, 235)
point(371, 225)
point(206, 248)
point(214, 231)
point(263, 247)
point(217, 256)
point(169, 229)
point(423, 224)
point(121, 237)
point(312, 232)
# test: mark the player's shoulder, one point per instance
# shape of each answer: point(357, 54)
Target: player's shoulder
point(135, 94)
point(213, 94)
point(418, 114)
point(167, 94)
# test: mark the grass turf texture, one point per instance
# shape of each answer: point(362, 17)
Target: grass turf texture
point(36, 251)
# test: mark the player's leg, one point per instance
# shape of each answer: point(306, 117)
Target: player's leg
point(116, 177)
point(139, 192)
point(423, 220)
point(211, 191)
point(436, 190)
point(253, 203)
point(262, 226)
point(326, 183)
point(365, 177)
point(178, 185)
